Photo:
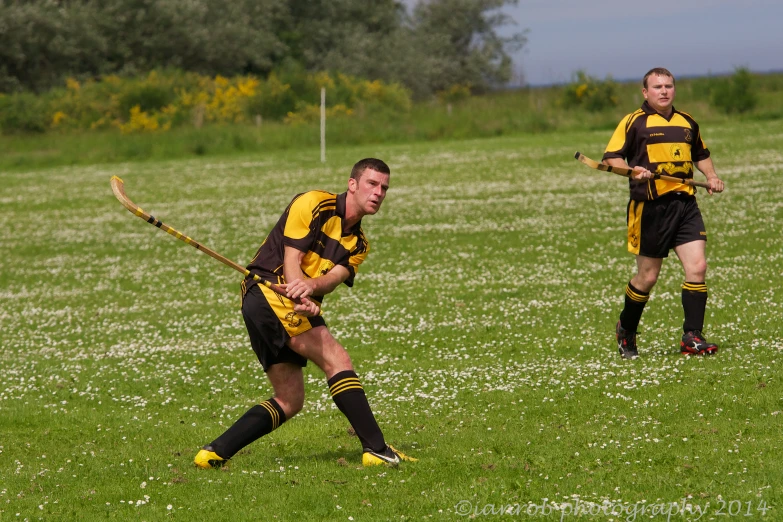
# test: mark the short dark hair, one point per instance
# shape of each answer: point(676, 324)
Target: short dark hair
point(369, 163)
point(660, 71)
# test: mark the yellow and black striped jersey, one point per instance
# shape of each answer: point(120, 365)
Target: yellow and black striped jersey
point(662, 145)
point(313, 224)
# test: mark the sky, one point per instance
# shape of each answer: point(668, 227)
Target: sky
point(626, 38)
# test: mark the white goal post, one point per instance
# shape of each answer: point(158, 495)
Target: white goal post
point(323, 124)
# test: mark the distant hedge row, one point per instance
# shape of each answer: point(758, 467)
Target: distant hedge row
point(735, 94)
point(163, 99)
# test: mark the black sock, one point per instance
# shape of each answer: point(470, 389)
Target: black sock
point(634, 306)
point(348, 395)
point(694, 302)
point(254, 424)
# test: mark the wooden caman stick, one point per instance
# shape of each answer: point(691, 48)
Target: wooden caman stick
point(118, 187)
point(622, 171)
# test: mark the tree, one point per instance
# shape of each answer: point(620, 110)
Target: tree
point(351, 36)
point(737, 93)
point(41, 42)
point(460, 44)
point(440, 44)
point(205, 36)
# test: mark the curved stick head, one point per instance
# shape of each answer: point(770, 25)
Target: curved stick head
point(118, 187)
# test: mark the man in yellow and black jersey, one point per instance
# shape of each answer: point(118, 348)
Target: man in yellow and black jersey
point(316, 245)
point(663, 215)
point(313, 224)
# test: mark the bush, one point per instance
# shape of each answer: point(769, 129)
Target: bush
point(274, 99)
point(23, 113)
point(307, 113)
point(454, 94)
point(590, 93)
point(147, 97)
point(736, 94)
point(169, 98)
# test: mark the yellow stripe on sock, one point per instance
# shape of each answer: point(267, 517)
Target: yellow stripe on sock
point(273, 412)
point(334, 390)
point(342, 382)
point(694, 288)
point(338, 392)
point(639, 298)
point(350, 383)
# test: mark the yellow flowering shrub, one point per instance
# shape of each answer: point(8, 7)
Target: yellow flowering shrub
point(454, 94)
point(227, 103)
point(590, 93)
point(140, 121)
point(323, 79)
point(72, 85)
point(57, 118)
point(273, 99)
point(312, 113)
point(162, 99)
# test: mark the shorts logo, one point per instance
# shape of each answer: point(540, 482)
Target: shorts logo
point(293, 319)
point(634, 238)
point(688, 136)
point(703, 233)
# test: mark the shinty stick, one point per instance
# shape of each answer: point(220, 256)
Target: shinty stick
point(118, 187)
point(629, 172)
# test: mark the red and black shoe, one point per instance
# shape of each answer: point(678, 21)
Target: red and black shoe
point(694, 343)
point(626, 342)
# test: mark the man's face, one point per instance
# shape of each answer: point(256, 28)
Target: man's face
point(659, 92)
point(369, 190)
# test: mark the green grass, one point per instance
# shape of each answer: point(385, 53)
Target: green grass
point(481, 324)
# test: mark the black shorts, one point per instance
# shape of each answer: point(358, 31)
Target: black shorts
point(271, 322)
point(657, 226)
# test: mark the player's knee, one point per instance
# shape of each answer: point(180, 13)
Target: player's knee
point(648, 279)
point(291, 403)
point(338, 359)
point(700, 269)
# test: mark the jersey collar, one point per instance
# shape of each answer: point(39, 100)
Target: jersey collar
point(650, 111)
point(341, 212)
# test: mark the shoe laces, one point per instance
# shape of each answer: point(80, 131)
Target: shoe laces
point(401, 455)
point(697, 336)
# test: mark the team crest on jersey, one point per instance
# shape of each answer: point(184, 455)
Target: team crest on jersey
point(293, 319)
point(688, 136)
point(326, 265)
point(676, 152)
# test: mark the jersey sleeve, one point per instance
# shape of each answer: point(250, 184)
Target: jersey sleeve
point(357, 256)
point(299, 231)
point(620, 144)
point(699, 150)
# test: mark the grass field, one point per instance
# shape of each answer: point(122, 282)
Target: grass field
point(482, 326)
